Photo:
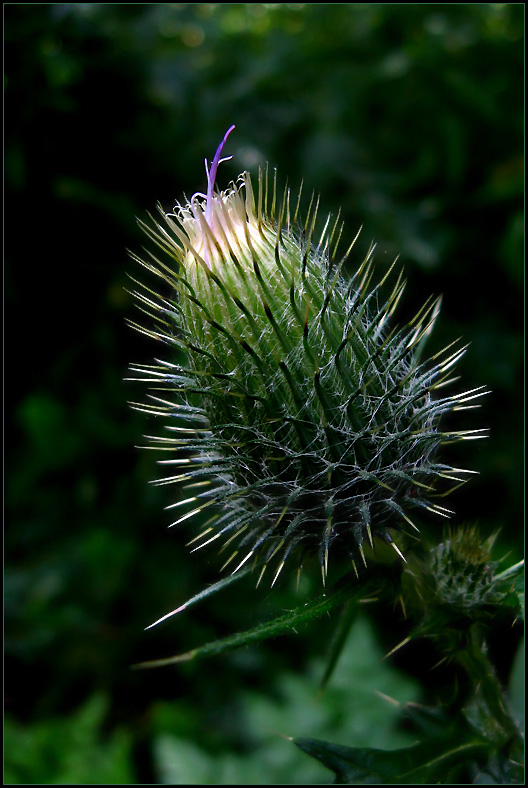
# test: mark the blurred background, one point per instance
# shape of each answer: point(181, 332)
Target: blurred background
point(407, 116)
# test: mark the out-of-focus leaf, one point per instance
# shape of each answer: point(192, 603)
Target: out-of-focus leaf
point(346, 619)
point(68, 751)
point(517, 689)
point(354, 706)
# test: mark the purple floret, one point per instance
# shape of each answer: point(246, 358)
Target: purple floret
point(211, 174)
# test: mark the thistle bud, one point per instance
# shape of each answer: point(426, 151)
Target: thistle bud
point(301, 422)
point(457, 573)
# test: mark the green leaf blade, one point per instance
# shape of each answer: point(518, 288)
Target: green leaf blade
point(344, 591)
point(422, 764)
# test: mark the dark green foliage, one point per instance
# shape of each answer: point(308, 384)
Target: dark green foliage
point(68, 751)
point(448, 750)
point(421, 764)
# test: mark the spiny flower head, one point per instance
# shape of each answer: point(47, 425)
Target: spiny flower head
point(301, 421)
point(462, 568)
point(457, 574)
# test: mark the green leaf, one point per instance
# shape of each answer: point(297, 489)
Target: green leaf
point(501, 770)
point(516, 691)
point(421, 764)
point(346, 619)
point(511, 583)
point(226, 581)
point(344, 591)
point(72, 750)
point(355, 706)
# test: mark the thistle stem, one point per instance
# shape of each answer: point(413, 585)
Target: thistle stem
point(494, 715)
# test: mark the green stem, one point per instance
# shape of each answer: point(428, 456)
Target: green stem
point(499, 724)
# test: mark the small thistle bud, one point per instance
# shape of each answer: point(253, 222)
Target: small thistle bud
point(457, 573)
point(301, 421)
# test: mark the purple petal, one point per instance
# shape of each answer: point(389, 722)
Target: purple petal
point(211, 174)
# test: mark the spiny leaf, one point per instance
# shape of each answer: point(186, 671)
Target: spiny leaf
point(344, 591)
point(226, 581)
point(421, 764)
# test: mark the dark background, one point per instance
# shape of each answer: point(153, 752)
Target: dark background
point(409, 117)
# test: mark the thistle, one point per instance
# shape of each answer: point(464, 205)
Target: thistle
point(300, 422)
point(458, 573)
